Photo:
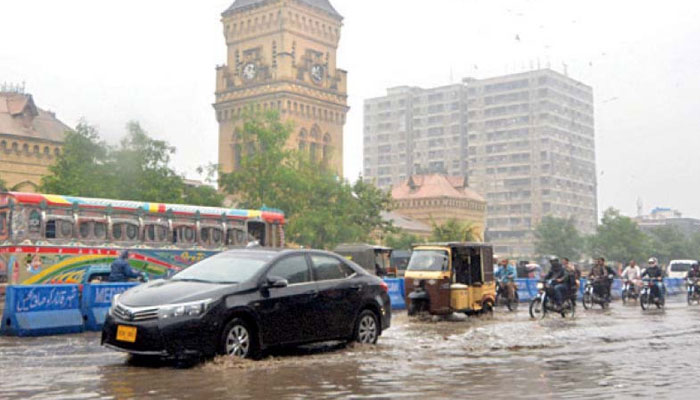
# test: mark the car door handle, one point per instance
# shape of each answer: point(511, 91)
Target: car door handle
point(356, 287)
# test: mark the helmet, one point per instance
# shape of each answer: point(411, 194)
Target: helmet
point(653, 261)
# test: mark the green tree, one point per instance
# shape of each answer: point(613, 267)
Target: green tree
point(668, 243)
point(322, 209)
point(402, 240)
point(558, 236)
point(137, 169)
point(82, 167)
point(618, 238)
point(454, 231)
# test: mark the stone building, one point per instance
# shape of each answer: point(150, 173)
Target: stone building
point(282, 56)
point(30, 140)
point(438, 198)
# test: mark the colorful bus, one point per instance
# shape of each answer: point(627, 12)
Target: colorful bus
point(57, 239)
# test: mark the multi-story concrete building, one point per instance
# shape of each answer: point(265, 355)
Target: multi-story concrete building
point(664, 217)
point(415, 131)
point(524, 141)
point(532, 154)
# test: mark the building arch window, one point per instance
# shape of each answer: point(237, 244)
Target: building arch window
point(326, 147)
point(57, 152)
point(25, 148)
point(302, 139)
point(316, 133)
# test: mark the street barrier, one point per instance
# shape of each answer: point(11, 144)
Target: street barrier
point(396, 293)
point(524, 293)
point(97, 298)
point(41, 310)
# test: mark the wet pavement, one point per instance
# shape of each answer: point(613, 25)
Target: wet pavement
point(619, 353)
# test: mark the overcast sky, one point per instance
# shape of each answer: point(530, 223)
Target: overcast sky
point(154, 61)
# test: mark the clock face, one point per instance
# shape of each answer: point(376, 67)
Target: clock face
point(249, 71)
point(317, 73)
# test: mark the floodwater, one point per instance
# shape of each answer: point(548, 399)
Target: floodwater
point(620, 353)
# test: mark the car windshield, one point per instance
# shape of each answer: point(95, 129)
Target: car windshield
point(680, 267)
point(428, 260)
point(225, 268)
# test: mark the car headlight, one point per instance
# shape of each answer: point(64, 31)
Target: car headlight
point(115, 298)
point(540, 285)
point(192, 309)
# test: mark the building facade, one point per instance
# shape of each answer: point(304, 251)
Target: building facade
point(415, 131)
point(435, 199)
point(666, 217)
point(282, 56)
point(30, 141)
point(525, 141)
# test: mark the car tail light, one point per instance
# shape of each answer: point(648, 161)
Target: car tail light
point(384, 286)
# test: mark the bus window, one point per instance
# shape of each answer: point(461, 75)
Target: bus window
point(211, 236)
point(3, 225)
point(124, 231)
point(155, 233)
point(59, 229)
point(35, 222)
point(183, 235)
point(84, 229)
point(236, 237)
point(100, 230)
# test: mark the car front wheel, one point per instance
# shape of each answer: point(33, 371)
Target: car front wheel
point(238, 340)
point(367, 328)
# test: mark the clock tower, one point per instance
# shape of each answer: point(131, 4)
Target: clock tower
point(282, 56)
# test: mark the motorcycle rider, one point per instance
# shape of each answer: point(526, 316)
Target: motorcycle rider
point(693, 274)
point(560, 280)
point(121, 271)
point(506, 275)
point(574, 278)
point(656, 274)
point(633, 274)
point(599, 274)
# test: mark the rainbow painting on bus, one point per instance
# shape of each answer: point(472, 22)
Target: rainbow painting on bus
point(48, 239)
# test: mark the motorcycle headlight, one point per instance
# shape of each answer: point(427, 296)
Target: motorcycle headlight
point(540, 285)
point(192, 309)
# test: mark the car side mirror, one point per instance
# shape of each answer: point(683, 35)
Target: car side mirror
point(276, 282)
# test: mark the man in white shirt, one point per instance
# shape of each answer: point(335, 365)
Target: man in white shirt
point(633, 274)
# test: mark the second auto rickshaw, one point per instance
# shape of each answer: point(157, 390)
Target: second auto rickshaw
point(443, 278)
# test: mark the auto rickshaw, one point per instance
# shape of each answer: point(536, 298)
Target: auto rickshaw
point(443, 278)
point(374, 259)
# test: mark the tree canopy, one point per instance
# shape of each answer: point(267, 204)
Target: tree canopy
point(618, 238)
point(558, 236)
point(137, 169)
point(322, 209)
point(453, 230)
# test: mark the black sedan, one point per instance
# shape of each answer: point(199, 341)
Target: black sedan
point(242, 302)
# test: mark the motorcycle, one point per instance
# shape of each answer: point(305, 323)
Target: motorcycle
point(543, 303)
point(502, 297)
point(693, 291)
point(590, 297)
point(646, 298)
point(629, 292)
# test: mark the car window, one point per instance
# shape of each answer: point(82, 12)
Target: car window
point(327, 268)
point(294, 269)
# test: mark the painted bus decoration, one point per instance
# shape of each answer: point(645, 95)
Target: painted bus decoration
point(61, 239)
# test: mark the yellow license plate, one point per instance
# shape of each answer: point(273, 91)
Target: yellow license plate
point(126, 333)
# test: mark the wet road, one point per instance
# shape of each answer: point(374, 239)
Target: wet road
point(620, 353)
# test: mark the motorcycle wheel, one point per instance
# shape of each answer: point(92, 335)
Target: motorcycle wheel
point(690, 299)
point(537, 310)
point(644, 301)
point(660, 303)
point(605, 305)
point(587, 301)
point(415, 307)
point(514, 303)
point(567, 309)
point(624, 297)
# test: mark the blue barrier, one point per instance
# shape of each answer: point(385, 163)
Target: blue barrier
point(41, 310)
point(97, 298)
point(396, 293)
point(524, 293)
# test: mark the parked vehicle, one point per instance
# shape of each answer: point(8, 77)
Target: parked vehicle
point(693, 290)
point(374, 259)
point(399, 261)
point(629, 292)
point(679, 268)
point(443, 278)
point(53, 239)
point(502, 297)
point(591, 297)
point(647, 299)
point(242, 302)
point(544, 303)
